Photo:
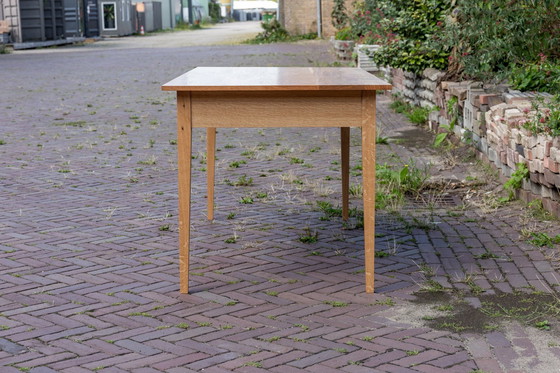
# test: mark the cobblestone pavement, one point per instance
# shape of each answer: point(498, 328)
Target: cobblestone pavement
point(88, 238)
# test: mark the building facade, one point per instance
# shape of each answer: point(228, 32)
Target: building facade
point(300, 16)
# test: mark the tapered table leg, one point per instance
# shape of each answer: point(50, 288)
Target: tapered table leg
point(184, 149)
point(210, 169)
point(345, 167)
point(368, 175)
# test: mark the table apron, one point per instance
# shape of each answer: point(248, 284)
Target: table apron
point(277, 109)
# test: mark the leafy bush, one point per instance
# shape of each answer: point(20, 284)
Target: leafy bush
point(273, 32)
point(487, 38)
point(338, 15)
point(410, 55)
point(541, 77)
point(405, 29)
point(344, 34)
point(214, 11)
point(365, 23)
point(475, 39)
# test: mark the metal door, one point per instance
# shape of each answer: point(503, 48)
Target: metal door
point(91, 18)
point(72, 24)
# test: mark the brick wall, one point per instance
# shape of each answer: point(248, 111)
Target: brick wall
point(300, 16)
point(489, 118)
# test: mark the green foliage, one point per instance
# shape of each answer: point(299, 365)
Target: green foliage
point(541, 239)
point(232, 239)
point(214, 10)
point(295, 160)
point(381, 140)
point(516, 180)
point(405, 29)
point(246, 200)
point(273, 32)
point(400, 106)
point(486, 255)
point(453, 114)
point(415, 114)
point(546, 117)
point(440, 138)
point(309, 236)
point(395, 184)
point(419, 115)
point(244, 181)
point(485, 38)
point(453, 110)
point(328, 209)
point(181, 26)
point(364, 21)
point(411, 55)
point(542, 325)
point(541, 77)
point(236, 164)
point(344, 34)
point(338, 15)
point(478, 39)
point(335, 303)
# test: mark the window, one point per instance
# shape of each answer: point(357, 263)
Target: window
point(109, 16)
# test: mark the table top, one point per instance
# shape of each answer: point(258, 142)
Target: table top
point(276, 79)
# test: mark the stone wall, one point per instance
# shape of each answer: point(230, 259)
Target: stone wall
point(509, 144)
point(418, 90)
point(300, 16)
point(489, 116)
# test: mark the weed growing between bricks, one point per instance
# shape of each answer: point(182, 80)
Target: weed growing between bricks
point(454, 312)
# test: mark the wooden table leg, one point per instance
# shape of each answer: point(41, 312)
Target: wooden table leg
point(184, 148)
point(210, 169)
point(368, 175)
point(345, 167)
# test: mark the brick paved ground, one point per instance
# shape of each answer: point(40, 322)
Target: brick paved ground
point(88, 238)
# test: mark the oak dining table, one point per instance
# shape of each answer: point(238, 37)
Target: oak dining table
point(267, 97)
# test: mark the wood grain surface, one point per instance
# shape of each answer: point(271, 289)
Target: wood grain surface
point(275, 79)
point(276, 109)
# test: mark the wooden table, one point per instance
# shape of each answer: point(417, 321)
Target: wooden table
point(216, 97)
